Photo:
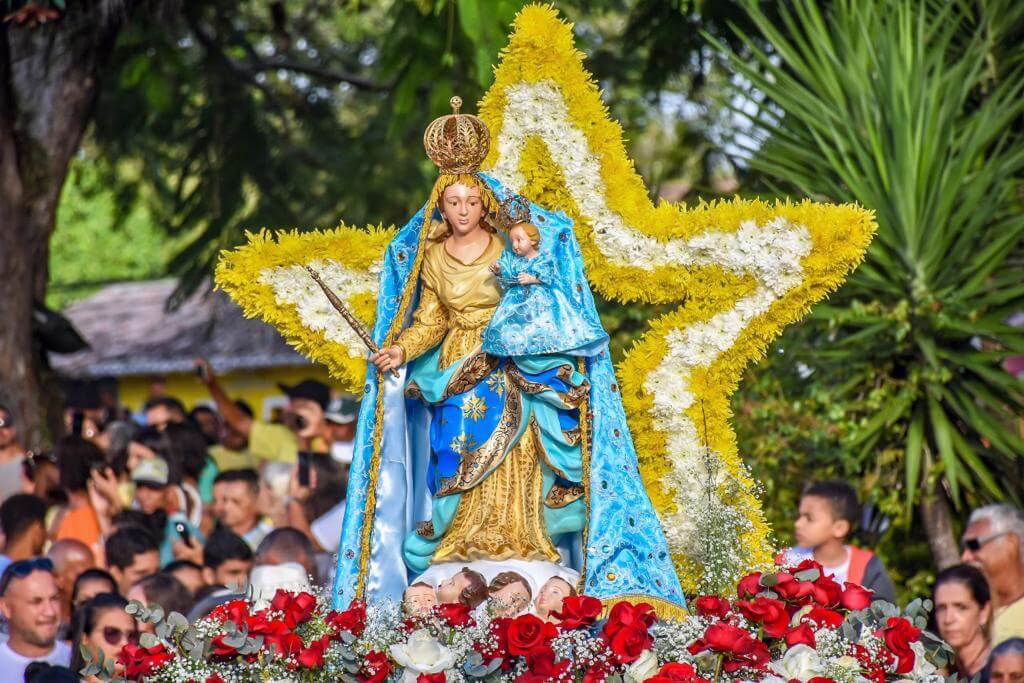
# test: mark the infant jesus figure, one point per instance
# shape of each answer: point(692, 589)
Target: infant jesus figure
point(536, 315)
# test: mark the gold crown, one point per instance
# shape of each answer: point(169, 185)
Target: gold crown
point(457, 143)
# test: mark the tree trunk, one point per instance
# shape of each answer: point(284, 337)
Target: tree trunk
point(938, 526)
point(49, 79)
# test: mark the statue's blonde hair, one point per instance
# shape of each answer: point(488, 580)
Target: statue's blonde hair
point(531, 231)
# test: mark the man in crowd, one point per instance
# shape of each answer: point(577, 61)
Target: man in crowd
point(30, 602)
point(12, 453)
point(70, 558)
point(132, 554)
point(23, 521)
point(1006, 663)
point(994, 542)
point(305, 426)
point(227, 559)
point(157, 491)
point(232, 450)
point(287, 545)
point(162, 411)
point(236, 505)
point(188, 573)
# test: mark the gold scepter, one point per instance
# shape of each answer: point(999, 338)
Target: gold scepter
point(355, 323)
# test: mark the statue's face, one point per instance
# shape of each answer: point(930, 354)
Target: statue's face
point(551, 595)
point(510, 600)
point(462, 208)
point(450, 589)
point(419, 600)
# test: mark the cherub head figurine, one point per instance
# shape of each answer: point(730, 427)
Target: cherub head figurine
point(467, 587)
point(418, 599)
point(550, 597)
point(509, 595)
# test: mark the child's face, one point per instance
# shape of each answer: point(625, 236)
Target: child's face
point(816, 524)
point(419, 599)
point(521, 242)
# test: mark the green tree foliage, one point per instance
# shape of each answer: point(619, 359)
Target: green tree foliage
point(913, 109)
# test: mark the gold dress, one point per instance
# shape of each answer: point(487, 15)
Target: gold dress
point(502, 516)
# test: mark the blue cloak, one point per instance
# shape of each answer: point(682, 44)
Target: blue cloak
point(622, 552)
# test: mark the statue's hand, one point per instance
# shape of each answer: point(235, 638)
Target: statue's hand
point(527, 279)
point(388, 359)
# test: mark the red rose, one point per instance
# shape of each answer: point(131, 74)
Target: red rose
point(439, 677)
point(827, 592)
point(376, 667)
point(824, 617)
point(770, 613)
point(800, 635)
point(543, 667)
point(711, 606)
point(278, 637)
point(142, 661)
point(820, 679)
point(629, 642)
point(527, 633)
point(296, 607)
point(898, 635)
point(739, 648)
point(220, 649)
point(855, 597)
point(352, 620)
point(676, 672)
point(749, 586)
point(236, 611)
point(313, 655)
point(791, 590)
point(456, 614)
point(597, 673)
point(578, 611)
point(214, 678)
point(626, 615)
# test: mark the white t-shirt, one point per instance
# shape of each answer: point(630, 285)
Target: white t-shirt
point(838, 573)
point(13, 665)
point(326, 528)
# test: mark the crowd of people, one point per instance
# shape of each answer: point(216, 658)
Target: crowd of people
point(189, 509)
point(183, 508)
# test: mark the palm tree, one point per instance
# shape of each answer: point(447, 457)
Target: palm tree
point(911, 108)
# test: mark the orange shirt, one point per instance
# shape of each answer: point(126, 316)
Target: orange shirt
point(81, 524)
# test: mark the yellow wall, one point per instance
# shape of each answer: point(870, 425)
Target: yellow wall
point(257, 387)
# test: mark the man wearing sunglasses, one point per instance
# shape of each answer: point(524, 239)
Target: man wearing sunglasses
point(30, 602)
point(994, 542)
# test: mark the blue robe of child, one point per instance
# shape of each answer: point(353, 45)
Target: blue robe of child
point(539, 318)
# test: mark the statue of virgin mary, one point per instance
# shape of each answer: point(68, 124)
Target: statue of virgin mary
point(472, 454)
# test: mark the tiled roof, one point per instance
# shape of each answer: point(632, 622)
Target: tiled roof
point(131, 333)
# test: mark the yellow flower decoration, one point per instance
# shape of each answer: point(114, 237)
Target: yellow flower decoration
point(739, 270)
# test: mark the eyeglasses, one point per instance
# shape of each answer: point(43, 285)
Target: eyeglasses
point(22, 568)
point(5, 423)
point(974, 544)
point(115, 636)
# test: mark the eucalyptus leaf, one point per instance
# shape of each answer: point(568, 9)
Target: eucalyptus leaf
point(177, 621)
point(811, 574)
point(148, 640)
point(768, 580)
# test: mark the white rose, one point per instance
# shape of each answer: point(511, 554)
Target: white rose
point(422, 654)
point(801, 662)
point(643, 668)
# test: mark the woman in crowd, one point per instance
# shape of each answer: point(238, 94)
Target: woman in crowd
point(89, 584)
point(101, 625)
point(962, 612)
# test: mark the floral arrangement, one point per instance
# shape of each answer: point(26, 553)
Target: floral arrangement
point(739, 270)
point(792, 626)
